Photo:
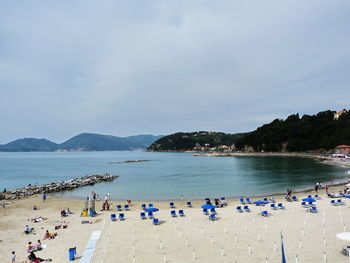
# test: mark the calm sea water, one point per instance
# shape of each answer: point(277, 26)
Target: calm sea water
point(168, 175)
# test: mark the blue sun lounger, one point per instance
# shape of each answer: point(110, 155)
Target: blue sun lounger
point(340, 202)
point(303, 204)
point(213, 217)
point(281, 206)
point(126, 207)
point(272, 200)
point(318, 197)
point(248, 201)
point(119, 208)
point(239, 209)
point(264, 213)
point(121, 216)
point(242, 201)
point(266, 200)
point(333, 202)
point(143, 215)
point(173, 213)
point(150, 205)
point(213, 211)
point(143, 206)
point(113, 217)
point(295, 198)
point(181, 213)
point(150, 215)
point(246, 208)
point(155, 221)
point(205, 211)
point(313, 209)
point(189, 204)
point(273, 206)
point(309, 196)
point(172, 205)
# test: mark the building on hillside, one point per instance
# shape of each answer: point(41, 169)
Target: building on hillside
point(339, 113)
point(343, 149)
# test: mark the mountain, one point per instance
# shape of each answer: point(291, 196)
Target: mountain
point(29, 145)
point(82, 142)
point(320, 132)
point(186, 141)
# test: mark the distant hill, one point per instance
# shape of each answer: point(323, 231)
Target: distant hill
point(82, 142)
point(185, 141)
point(319, 132)
point(29, 145)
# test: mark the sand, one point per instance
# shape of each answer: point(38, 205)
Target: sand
point(235, 237)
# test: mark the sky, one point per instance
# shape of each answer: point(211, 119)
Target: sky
point(158, 67)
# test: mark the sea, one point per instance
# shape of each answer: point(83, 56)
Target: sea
point(166, 176)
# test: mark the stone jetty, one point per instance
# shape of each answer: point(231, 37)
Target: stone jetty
point(56, 186)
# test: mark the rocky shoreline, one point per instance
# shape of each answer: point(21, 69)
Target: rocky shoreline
point(56, 186)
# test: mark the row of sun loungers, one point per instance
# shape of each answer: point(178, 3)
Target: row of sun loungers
point(126, 207)
point(114, 217)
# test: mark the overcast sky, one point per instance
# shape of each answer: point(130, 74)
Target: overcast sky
point(136, 67)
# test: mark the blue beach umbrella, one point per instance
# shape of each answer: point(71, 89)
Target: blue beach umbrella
point(208, 206)
point(260, 202)
point(151, 209)
point(309, 199)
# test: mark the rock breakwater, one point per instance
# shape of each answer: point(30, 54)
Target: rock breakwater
point(56, 186)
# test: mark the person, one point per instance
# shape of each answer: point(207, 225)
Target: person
point(63, 213)
point(13, 257)
point(327, 189)
point(44, 197)
point(28, 229)
point(5, 192)
point(97, 197)
point(38, 246)
point(29, 247)
point(33, 258)
point(35, 207)
point(49, 235)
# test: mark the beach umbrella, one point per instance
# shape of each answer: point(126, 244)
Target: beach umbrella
point(260, 202)
point(309, 199)
point(344, 236)
point(151, 209)
point(283, 255)
point(208, 206)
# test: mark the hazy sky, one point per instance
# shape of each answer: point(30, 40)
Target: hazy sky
point(135, 67)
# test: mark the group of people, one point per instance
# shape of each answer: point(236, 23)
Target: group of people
point(49, 235)
point(31, 247)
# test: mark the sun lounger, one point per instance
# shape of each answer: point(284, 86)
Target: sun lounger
point(126, 207)
point(340, 202)
point(248, 201)
point(318, 197)
point(121, 216)
point(331, 195)
point(205, 211)
point(143, 215)
point(304, 204)
point(119, 208)
point(333, 202)
point(181, 213)
point(150, 205)
point(309, 196)
point(264, 213)
point(242, 201)
point(281, 206)
point(346, 251)
point(272, 200)
point(155, 221)
point(246, 208)
point(313, 209)
point(213, 211)
point(273, 206)
point(266, 200)
point(311, 204)
point(213, 217)
point(189, 204)
point(113, 217)
point(143, 206)
point(150, 215)
point(239, 209)
point(172, 205)
point(295, 198)
point(173, 213)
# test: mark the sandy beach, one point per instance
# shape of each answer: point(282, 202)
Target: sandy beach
point(234, 237)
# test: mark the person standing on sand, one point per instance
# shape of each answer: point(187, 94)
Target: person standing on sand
point(13, 257)
point(44, 197)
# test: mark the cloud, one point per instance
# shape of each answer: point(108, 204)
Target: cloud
point(129, 67)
